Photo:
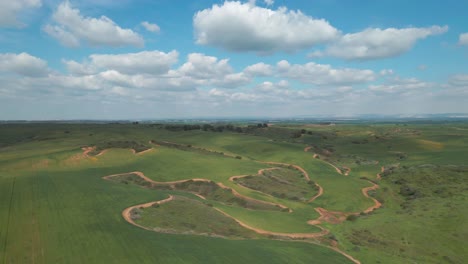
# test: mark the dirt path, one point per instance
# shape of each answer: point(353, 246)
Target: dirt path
point(260, 172)
point(127, 212)
point(316, 156)
point(141, 175)
point(320, 234)
point(142, 152)
point(306, 175)
point(233, 178)
point(332, 217)
point(379, 175)
point(213, 151)
point(320, 192)
point(87, 150)
point(286, 235)
point(365, 192)
point(234, 192)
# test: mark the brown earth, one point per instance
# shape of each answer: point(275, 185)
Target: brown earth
point(365, 191)
point(142, 152)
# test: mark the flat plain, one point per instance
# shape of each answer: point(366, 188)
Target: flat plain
point(234, 193)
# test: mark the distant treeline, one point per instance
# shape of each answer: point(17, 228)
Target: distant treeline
point(260, 129)
point(213, 128)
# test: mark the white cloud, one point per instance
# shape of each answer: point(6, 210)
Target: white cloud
point(150, 27)
point(240, 26)
point(64, 36)
point(23, 64)
point(72, 28)
point(459, 80)
point(200, 66)
point(280, 88)
point(9, 10)
point(398, 85)
point(322, 74)
point(463, 39)
point(259, 69)
point(145, 62)
point(233, 80)
point(269, 2)
point(208, 86)
point(149, 62)
point(376, 43)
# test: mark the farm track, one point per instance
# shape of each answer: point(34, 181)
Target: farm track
point(234, 192)
point(324, 215)
point(87, 150)
point(127, 212)
point(365, 190)
point(316, 156)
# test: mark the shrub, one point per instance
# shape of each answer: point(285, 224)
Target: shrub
point(352, 218)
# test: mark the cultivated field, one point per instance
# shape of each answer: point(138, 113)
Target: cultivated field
point(283, 193)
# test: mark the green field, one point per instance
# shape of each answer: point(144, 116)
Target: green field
point(55, 206)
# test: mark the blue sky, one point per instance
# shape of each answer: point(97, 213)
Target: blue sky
point(184, 59)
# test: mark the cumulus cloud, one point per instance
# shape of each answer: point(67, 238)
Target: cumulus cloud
point(463, 39)
point(259, 69)
point(376, 43)
point(72, 28)
point(323, 74)
point(200, 66)
point(209, 86)
point(9, 10)
point(145, 62)
point(150, 26)
point(64, 36)
point(398, 85)
point(23, 64)
point(237, 26)
point(153, 70)
point(459, 80)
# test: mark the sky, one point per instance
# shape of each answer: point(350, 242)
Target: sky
point(153, 59)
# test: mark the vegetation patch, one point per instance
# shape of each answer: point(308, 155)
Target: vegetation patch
point(186, 216)
point(127, 144)
point(207, 189)
point(189, 147)
point(281, 183)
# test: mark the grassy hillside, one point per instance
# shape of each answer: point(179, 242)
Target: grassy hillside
point(55, 206)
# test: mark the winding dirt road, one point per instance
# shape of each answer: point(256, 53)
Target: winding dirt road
point(365, 192)
point(332, 217)
point(127, 212)
point(141, 175)
point(316, 156)
point(234, 192)
point(260, 172)
point(142, 152)
point(379, 175)
point(285, 235)
point(87, 150)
